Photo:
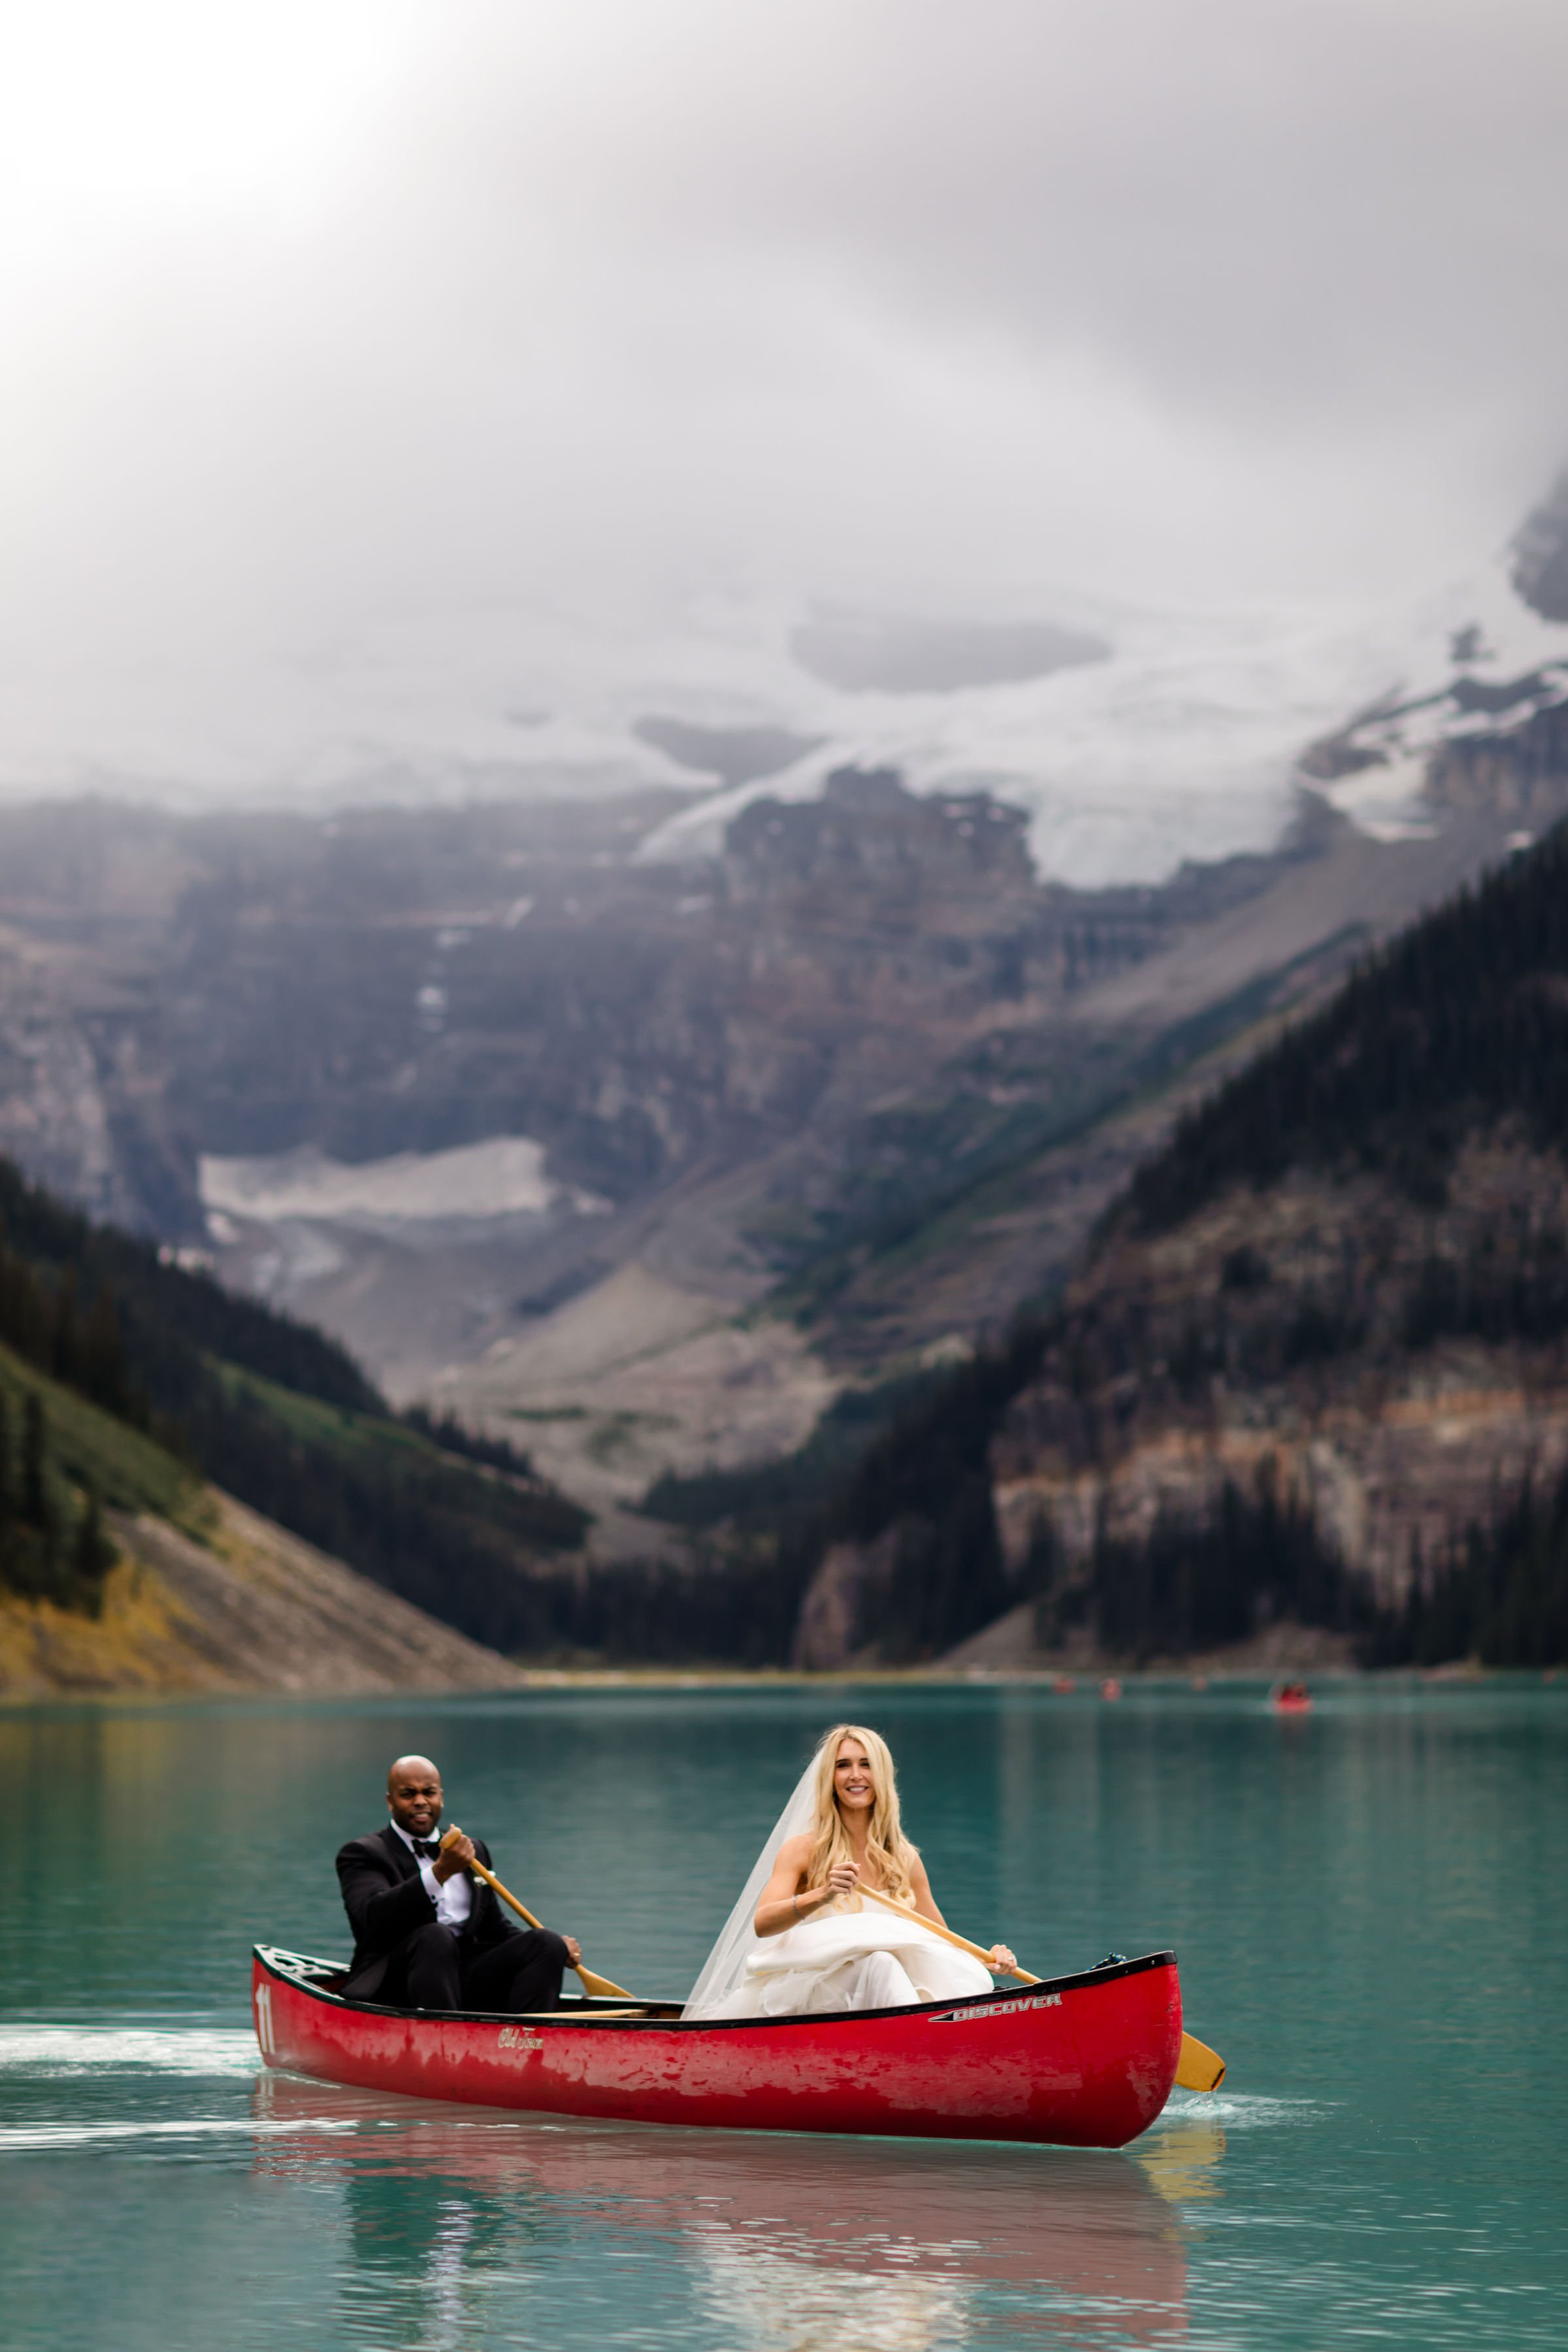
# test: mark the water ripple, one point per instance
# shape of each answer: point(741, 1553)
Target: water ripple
point(1242, 2110)
point(46, 2136)
point(58, 2050)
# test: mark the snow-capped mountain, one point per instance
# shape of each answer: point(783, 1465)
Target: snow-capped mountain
point(1135, 738)
point(1489, 658)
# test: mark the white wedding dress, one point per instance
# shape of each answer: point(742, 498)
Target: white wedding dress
point(838, 1958)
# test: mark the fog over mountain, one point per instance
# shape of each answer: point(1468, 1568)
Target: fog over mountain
point(405, 403)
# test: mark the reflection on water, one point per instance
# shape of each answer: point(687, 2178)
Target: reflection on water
point(896, 2246)
point(1181, 2159)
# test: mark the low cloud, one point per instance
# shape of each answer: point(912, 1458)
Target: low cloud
point(413, 313)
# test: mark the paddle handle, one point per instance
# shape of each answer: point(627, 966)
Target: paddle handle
point(947, 1933)
point(592, 1983)
point(493, 1883)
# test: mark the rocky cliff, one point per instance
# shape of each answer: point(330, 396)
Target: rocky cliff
point(1330, 1344)
point(393, 982)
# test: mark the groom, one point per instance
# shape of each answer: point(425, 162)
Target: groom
point(427, 1934)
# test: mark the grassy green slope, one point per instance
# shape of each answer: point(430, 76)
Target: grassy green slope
point(90, 1450)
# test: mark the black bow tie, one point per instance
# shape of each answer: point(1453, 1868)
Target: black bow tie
point(425, 1848)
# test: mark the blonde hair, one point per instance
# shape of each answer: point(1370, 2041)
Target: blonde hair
point(886, 1844)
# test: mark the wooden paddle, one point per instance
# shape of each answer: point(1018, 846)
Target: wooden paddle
point(1198, 2068)
point(591, 1982)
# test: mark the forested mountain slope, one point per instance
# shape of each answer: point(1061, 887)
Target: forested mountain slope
point(1316, 1367)
point(1460, 1026)
point(101, 1332)
point(122, 1569)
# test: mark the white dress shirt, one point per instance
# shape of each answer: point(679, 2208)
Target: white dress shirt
point(453, 1897)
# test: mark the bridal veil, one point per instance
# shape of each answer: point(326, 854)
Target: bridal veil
point(821, 1964)
point(724, 1969)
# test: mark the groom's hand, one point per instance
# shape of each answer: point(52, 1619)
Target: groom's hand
point(457, 1851)
point(573, 1948)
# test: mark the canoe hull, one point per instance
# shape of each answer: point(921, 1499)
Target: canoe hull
point(1081, 2062)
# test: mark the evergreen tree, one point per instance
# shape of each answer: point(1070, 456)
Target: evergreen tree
point(64, 1347)
point(103, 1372)
point(92, 1557)
point(34, 1500)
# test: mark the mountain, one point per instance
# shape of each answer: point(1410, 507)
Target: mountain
point(1132, 736)
point(120, 1568)
point(637, 1163)
point(242, 1607)
point(1174, 737)
point(1314, 1373)
point(656, 1133)
point(126, 1375)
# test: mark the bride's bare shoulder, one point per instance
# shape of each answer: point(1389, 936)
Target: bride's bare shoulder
point(794, 1852)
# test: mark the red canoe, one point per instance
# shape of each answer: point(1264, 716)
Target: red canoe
point(1081, 2062)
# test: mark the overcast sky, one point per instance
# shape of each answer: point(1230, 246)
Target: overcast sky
point(333, 311)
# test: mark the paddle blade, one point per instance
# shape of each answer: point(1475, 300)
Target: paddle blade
point(597, 1985)
point(1199, 2068)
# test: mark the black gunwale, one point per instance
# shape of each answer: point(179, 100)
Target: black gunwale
point(544, 2020)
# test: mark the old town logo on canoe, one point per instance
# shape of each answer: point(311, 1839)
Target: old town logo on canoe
point(518, 2037)
point(999, 2009)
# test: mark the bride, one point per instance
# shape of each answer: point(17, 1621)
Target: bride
point(801, 1938)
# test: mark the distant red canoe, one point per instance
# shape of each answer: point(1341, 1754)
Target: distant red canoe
point(1291, 1698)
point(1079, 2062)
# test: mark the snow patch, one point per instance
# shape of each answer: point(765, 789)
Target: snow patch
point(504, 1177)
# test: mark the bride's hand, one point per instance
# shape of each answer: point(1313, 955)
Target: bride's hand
point(1001, 1958)
point(842, 1879)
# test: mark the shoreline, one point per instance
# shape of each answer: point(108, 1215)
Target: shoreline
point(1128, 1682)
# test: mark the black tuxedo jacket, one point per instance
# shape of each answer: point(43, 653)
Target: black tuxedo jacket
point(384, 1897)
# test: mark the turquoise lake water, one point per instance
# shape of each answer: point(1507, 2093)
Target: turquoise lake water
point(1370, 1906)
